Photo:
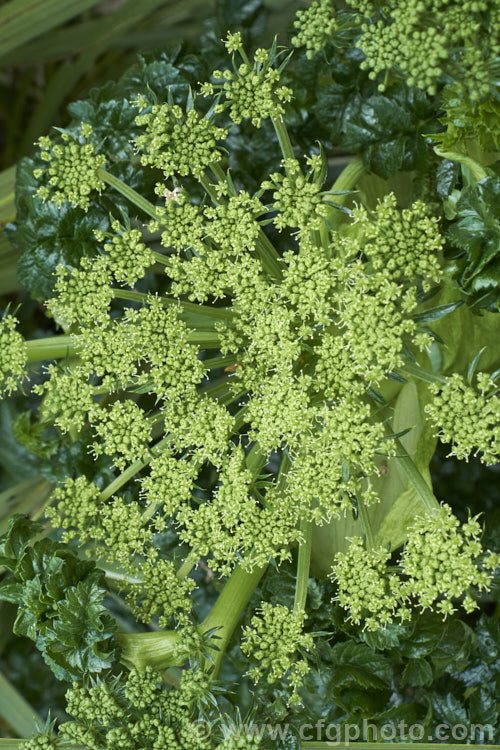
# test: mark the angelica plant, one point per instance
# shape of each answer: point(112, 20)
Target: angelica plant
point(236, 362)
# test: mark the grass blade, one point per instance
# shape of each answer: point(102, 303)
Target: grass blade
point(16, 711)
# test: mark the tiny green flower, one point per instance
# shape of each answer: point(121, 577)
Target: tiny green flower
point(13, 355)
point(72, 169)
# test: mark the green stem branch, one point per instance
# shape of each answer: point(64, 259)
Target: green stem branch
point(421, 487)
point(283, 137)
point(303, 565)
point(129, 193)
point(52, 347)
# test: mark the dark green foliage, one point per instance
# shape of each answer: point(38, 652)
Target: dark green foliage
point(60, 600)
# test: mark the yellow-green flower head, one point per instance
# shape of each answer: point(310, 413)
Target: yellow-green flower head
point(130, 256)
point(72, 169)
point(278, 410)
point(161, 593)
point(272, 640)
point(233, 225)
point(198, 422)
point(13, 355)
point(184, 222)
point(200, 277)
point(67, 398)
point(170, 482)
point(124, 432)
point(309, 278)
point(175, 141)
point(174, 362)
point(365, 587)
point(331, 462)
point(334, 374)
point(111, 351)
point(297, 199)
point(83, 295)
point(467, 418)
point(315, 26)
point(250, 91)
point(373, 320)
point(443, 560)
point(404, 245)
point(75, 508)
point(40, 742)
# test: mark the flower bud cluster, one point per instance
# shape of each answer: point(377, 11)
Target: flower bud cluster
point(13, 355)
point(72, 169)
point(404, 245)
point(251, 91)
point(83, 294)
point(130, 256)
point(315, 26)
point(272, 640)
point(122, 432)
point(175, 141)
point(68, 398)
point(469, 419)
point(297, 199)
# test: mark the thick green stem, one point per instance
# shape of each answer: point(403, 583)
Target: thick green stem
point(188, 309)
point(129, 193)
point(423, 490)
point(158, 650)
point(283, 137)
point(227, 610)
point(52, 347)
point(478, 171)
point(365, 522)
point(303, 565)
point(132, 470)
point(346, 180)
point(187, 565)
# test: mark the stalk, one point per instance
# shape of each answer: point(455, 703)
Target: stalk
point(187, 565)
point(477, 169)
point(52, 347)
point(268, 256)
point(131, 471)
point(365, 522)
point(423, 490)
point(228, 609)
point(283, 137)
point(129, 193)
point(346, 180)
point(303, 565)
point(187, 308)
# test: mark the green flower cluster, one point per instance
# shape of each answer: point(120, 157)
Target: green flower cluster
point(315, 26)
point(469, 419)
point(425, 40)
point(130, 256)
point(442, 560)
point(405, 244)
point(185, 228)
point(365, 587)
point(250, 91)
point(177, 142)
point(75, 508)
point(274, 637)
point(233, 225)
point(68, 398)
point(160, 593)
point(297, 197)
point(72, 170)
point(83, 295)
point(135, 712)
point(13, 355)
point(122, 432)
